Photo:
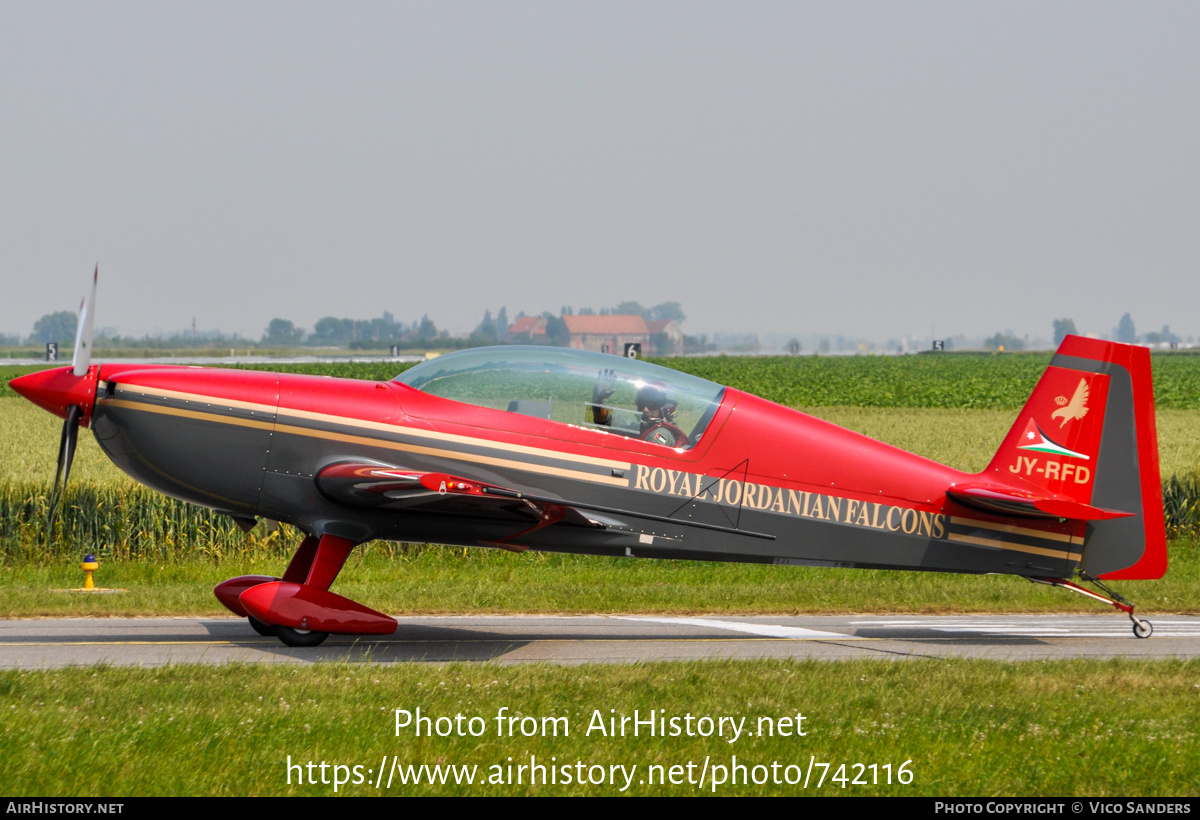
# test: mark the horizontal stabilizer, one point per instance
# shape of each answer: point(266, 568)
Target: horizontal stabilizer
point(1008, 501)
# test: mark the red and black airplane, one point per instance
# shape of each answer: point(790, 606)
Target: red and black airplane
point(572, 451)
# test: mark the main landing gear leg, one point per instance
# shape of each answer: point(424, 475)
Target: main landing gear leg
point(302, 561)
point(331, 554)
point(1141, 627)
point(316, 564)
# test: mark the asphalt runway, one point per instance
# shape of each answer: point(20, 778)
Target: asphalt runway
point(52, 643)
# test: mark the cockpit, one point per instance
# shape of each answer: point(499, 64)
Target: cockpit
point(620, 396)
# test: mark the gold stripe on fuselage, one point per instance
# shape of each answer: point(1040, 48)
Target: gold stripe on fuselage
point(376, 425)
point(366, 441)
point(1009, 528)
point(187, 414)
point(1009, 545)
point(451, 454)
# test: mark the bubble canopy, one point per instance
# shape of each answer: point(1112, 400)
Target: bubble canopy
point(617, 395)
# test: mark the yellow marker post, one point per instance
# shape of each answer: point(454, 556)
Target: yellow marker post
point(89, 565)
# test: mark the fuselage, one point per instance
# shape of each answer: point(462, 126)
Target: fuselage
point(764, 483)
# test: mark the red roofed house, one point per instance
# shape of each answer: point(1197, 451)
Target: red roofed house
point(608, 334)
point(532, 326)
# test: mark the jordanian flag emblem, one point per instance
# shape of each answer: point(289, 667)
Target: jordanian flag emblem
point(1034, 439)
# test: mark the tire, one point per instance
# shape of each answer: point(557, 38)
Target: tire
point(300, 637)
point(264, 629)
point(1142, 629)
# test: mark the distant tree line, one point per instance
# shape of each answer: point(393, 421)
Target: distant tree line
point(54, 327)
point(1124, 332)
point(665, 310)
point(356, 334)
point(332, 331)
point(60, 327)
point(385, 331)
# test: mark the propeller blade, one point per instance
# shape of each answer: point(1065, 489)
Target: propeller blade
point(66, 454)
point(83, 336)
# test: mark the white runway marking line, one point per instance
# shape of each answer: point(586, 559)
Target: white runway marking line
point(794, 633)
point(1069, 629)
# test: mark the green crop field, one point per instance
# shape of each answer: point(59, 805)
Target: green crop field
point(962, 380)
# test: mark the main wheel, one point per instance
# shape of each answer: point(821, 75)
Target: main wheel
point(264, 629)
point(1142, 629)
point(300, 637)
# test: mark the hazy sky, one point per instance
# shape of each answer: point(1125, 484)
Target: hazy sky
point(857, 168)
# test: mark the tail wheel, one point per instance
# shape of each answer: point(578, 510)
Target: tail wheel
point(1141, 627)
point(261, 627)
point(300, 637)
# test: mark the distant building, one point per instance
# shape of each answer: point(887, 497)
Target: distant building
point(666, 337)
point(532, 326)
point(607, 334)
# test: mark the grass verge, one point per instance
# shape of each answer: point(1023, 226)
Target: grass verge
point(439, 580)
point(1072, 728)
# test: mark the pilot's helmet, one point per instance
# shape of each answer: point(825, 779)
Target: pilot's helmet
point(657, 398)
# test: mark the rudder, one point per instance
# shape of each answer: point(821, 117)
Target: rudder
point(1088, 434)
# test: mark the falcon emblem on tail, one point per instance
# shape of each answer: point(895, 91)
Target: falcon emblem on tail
point(1076, 408)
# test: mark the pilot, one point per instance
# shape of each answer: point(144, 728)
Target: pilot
point(656, 408)
point(656, 404)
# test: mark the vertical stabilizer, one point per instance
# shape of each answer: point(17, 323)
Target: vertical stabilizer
point(1088, 434)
